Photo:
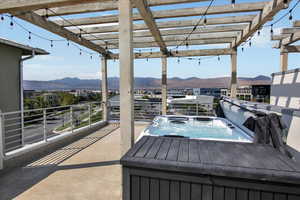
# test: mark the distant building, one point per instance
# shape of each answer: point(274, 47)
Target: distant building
point(51, 98)
point(216, 92)
point(259, 93)
point(242, 93)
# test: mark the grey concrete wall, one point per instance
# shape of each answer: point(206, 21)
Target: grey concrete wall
point(10, 78)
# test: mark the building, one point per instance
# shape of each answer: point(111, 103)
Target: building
point(216, 92)
point(261, 93)
point(52, 98)
point(11, 76)
point(243, 93)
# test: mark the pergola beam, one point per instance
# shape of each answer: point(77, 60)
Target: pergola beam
point(146, 13)
point(291, 39)
point(296, 23)
point(279, 37)
point(289, 30)
point(29, 5)
point(182, 31)
point(181, 37)
point(54, 28)
point(187, 53)
point(291, 49)
point(172, 13)
point(269, 10)
point(105, 6)
point(171, 24)
point(178, 43)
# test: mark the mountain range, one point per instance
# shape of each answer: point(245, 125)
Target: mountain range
point(143, 82)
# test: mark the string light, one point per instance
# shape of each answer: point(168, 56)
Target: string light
point(290, 16)
point(31, 34)
point(233, 3)
point(47, 14)
point(187, 44)
point(219, 58)
point(199, 62)
point(271, 31)
point(258, 32)
point(205, 21)
point(11, 20)
point(242, 49)
point(178, 60)
point(250, 43)
point(91, 56)
point(80, 52)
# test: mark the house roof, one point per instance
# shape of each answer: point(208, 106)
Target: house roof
point(26, 50)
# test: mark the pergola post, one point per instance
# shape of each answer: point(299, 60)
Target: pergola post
point(283, 61)
point(104, 88)
point(126, 75)
point(164, 90)
point(233, 73)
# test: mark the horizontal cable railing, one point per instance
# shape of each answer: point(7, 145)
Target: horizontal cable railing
point(27, 127)
point(146, 111)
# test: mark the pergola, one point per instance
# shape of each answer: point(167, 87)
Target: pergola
point(162, 29)
point(286, 39)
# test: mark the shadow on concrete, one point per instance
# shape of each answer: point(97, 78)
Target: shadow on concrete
point(19, 180)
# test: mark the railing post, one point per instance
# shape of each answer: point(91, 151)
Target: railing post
point(1, 140)
point(71, 118)
point(45, 124)
point(90, 120)
point(22, 128)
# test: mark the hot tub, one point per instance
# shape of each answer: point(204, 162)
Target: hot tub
point(197, 127)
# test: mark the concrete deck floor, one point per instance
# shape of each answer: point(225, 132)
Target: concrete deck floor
point(86, 169)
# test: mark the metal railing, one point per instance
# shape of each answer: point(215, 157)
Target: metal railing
point(146, 111)
point(27, 127)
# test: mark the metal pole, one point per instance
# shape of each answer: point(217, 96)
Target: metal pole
point(197, 108)
point(2, 145)
point(71, 118)
point(45, 124)
point(90, 120)
point(22, 128)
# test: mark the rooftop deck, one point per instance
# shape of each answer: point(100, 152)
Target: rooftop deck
point(85, 169)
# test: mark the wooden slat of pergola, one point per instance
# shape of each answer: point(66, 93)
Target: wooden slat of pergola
point(171, 13)
point(177, 43)
point(168, 32)
point(171, 24)
point(146, 13)
point(269, 10)
point(105, 6)
point(29, 5)
point(185, 53)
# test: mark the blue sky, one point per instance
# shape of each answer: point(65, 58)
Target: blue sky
point(64, 61)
